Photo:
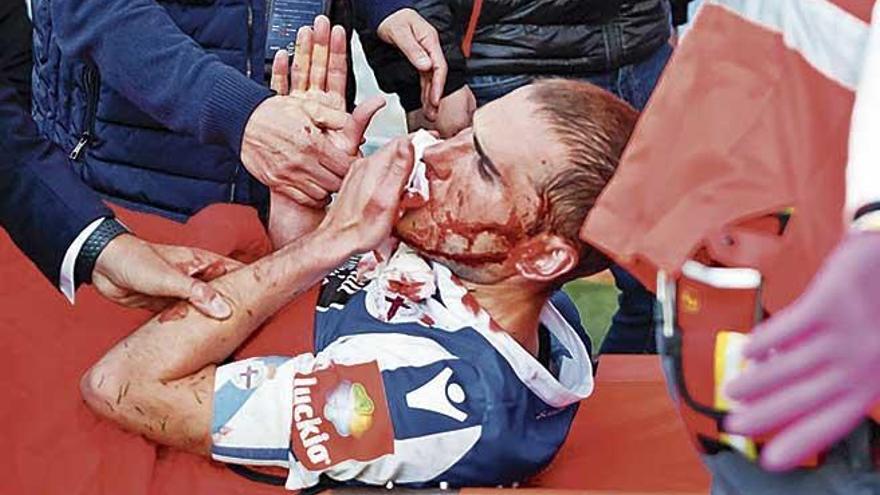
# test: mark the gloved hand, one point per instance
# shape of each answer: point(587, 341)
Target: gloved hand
point(817, 363)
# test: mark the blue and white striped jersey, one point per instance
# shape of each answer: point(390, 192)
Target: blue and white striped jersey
point(420, 393)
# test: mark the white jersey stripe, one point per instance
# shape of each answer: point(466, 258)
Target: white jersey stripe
point(829, 38)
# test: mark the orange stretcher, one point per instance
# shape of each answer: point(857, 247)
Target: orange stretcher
point(626, 439)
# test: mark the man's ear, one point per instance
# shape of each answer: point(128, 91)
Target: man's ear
point(545, 258)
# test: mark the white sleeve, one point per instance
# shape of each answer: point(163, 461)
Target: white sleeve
point(65, 281)
point(863, 169)
point(329, 413)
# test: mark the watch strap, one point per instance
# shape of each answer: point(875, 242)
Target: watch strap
point(88, 255)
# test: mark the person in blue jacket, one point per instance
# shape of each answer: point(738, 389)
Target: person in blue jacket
point(85, 244)
point(59, 222)
point(162, 107)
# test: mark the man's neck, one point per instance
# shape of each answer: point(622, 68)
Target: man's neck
point(515, 307)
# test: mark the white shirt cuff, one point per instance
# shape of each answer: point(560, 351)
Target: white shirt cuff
point(66, 282)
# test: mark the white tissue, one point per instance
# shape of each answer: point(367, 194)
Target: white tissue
point(418, 180)
point(407, 274)
point(400, 283)
point(373, 264)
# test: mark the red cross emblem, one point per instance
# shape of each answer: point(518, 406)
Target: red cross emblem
point(396, 303)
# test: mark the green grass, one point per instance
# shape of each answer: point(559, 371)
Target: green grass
point(597, 302)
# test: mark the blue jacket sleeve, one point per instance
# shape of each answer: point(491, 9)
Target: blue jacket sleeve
point(143, 55)
point(43, 204)
point(375, 11)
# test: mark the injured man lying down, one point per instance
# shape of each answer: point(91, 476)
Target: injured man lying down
point(437, 362)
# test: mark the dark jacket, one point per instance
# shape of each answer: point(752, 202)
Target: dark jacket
point(540, 37)
point(15, 47)
point(43, 204)
point(151, 98)
point(680, 11)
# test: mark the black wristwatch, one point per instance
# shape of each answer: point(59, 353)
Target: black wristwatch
point(108, 230)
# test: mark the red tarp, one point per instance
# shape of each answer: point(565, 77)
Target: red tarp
point(626, 437)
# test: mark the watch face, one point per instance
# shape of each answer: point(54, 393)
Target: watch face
point(285, 19)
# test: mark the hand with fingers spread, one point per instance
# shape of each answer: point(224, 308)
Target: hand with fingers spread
point(289, 143)
point(366, 208)
point(283, 148)
point(417, 39)
point(135, 273)
point(318, 73)
point(816, 364)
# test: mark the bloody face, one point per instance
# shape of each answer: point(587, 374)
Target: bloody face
point(485, 186)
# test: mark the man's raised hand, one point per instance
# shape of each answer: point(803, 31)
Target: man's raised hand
point(284, 148)
point(319, 73)
point(317, 80)
point(417, 39)
point(364, 211)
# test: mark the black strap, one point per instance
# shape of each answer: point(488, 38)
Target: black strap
point(325, 483)
point(265, 478)
point(544, 346)
point(868, 208)
point(108, 230)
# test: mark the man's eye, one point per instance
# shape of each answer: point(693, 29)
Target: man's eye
point(484, 170)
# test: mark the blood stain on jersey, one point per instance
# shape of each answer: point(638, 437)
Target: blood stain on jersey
point(396, 304)
point(470, 302)
point(407, 289)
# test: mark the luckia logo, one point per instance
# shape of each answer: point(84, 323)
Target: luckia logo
point(350, 409)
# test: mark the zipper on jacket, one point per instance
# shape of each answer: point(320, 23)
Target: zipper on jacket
point(250, 36)
point(91, 84)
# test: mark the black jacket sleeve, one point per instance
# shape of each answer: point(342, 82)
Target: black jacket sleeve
point(43, 204)
point(15, 46)
point(680, 12)
point(394, 72)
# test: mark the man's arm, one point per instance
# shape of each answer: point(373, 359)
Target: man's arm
point(376, 11)
point(402, 77)
point(37, 182)
point(38, 188)
point(159, 380)
point(142, 54)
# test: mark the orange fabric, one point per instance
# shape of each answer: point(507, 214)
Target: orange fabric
point(468, 40)
point(627, 436)
point(755, 135)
